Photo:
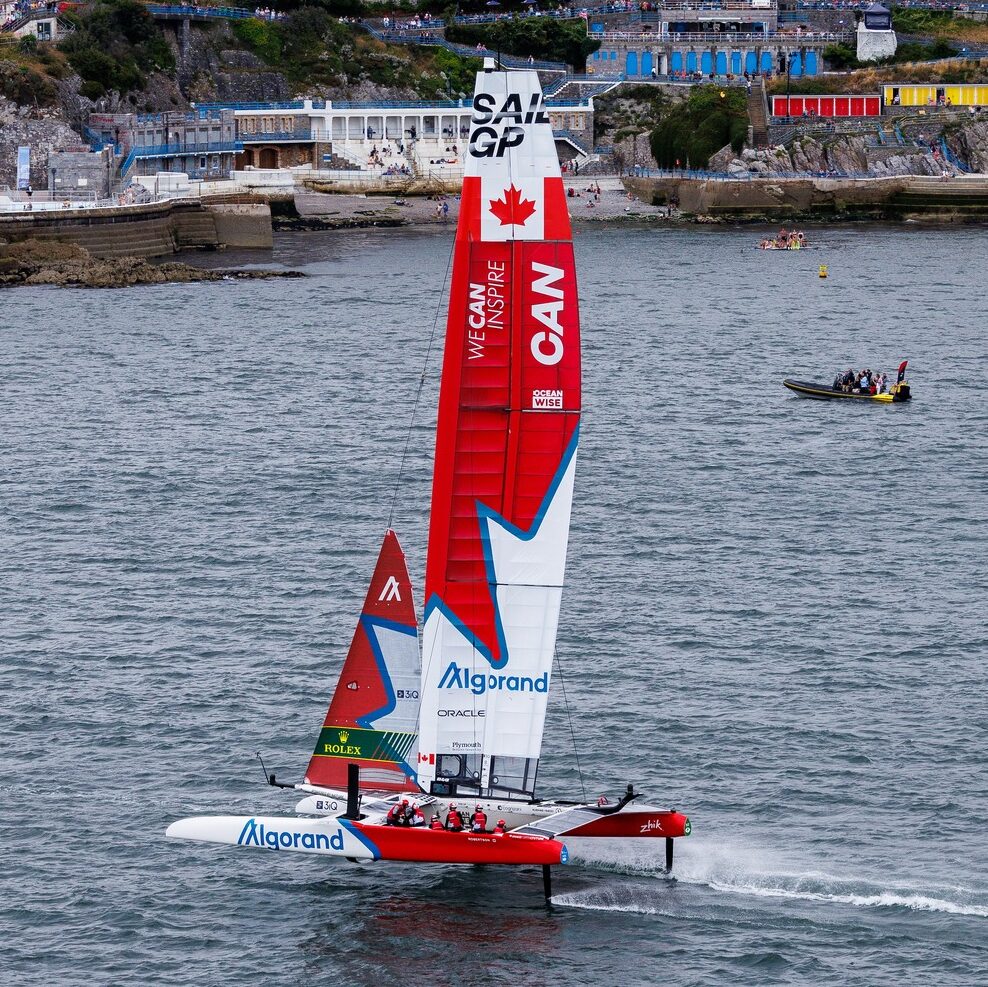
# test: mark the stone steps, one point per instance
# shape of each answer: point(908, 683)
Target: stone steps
point(758, 113)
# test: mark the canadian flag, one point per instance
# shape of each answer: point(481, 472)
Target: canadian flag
point(427, 758)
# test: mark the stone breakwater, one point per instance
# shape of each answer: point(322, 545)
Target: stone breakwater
point(37, 262)
point(784, 199)
point(149, 230)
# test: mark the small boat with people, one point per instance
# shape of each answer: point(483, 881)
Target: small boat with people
point(861, 385)
point(785, 240)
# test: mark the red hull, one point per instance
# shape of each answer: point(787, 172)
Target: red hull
point(635, 824)
point(440, 847)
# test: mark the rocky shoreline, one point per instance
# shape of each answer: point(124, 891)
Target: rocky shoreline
point(39, 262)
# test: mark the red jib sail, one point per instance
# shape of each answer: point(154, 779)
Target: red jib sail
point(373, 713)
point(509, 410)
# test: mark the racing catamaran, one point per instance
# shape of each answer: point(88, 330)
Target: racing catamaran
point(466, 721)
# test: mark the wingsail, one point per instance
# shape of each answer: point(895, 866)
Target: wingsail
point(372, 716)
point(508, 426)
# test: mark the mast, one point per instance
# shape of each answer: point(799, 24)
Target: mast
point(508, 426)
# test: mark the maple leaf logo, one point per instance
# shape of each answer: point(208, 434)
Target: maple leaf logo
point(512, 210)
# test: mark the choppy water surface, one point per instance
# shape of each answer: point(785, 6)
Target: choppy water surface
point(775, 618)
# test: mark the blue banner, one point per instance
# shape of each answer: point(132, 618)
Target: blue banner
point(23, 167)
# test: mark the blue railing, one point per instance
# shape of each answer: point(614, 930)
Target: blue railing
point(97, 141)
point(290, 104)
point(171, 150)
point(439, 105)
point(577, 140)
point(273, 136)
point(512, 61)
point(404, 104)
point(642, 172)
point(31, 15)
point(951, 157)
point(203, 112)
point(196, 12)
point(128, 163)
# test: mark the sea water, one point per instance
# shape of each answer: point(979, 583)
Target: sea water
point(774, 619)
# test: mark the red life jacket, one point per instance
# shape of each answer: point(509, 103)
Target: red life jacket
point(454, 820)
point(436, 824)
point(479, 820)
point(499, 830)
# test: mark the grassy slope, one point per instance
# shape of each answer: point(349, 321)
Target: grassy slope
point(313, 49)
point(939, 24)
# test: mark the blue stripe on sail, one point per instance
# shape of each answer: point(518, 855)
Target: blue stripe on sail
point(370, 625)
point(485, 515)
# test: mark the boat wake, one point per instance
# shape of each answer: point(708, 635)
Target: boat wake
point(751, 873)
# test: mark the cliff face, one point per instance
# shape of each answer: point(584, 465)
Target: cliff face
point(845, 155)
point(970, 144)
point(850, 155)
point(41, 129)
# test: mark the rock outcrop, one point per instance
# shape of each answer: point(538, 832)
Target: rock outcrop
point(46, 262)
point(970, 144)
point(845, 155)
point(849, 154)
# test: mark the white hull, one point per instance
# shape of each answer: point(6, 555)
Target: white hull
point(325, 837)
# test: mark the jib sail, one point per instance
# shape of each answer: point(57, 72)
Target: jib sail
point(373, 713)
point(509, 409)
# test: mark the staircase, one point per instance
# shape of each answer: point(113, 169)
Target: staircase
point(758, 112)
point(961, 198)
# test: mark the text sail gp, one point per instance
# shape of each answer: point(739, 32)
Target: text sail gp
point(488, 135)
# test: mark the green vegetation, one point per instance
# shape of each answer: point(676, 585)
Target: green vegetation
point(843, 57)
point(263, 38)
point(312, 48)
point(699, 127)
point(115, 43)
point(939, 24)
point(912, 51)
point(541, 37)
point(23, 84)
point(910, 21)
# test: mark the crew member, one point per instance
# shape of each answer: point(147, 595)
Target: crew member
point(396, 814)
point(499, 829)
point(478, 821)
point(436, 823)
point(417, 817)
point(454, 821)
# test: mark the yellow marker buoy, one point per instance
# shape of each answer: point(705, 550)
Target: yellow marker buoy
point(823, 270)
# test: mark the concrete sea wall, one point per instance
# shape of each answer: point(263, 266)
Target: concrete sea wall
point(775, 199)
point(152, 230)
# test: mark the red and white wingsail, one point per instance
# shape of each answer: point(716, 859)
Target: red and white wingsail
point(509, 411)
point(373, 713)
